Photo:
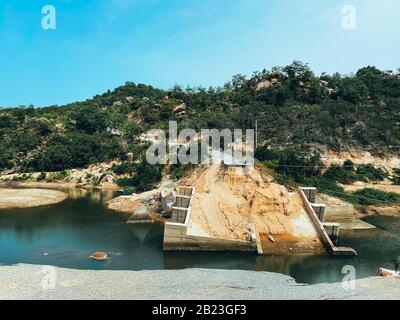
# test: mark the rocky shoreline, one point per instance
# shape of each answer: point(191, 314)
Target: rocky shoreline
point(50, 283)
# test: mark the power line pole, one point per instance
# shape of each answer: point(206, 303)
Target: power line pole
point(256, 134)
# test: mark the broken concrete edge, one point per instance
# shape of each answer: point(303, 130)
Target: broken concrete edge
point(141, 215)
point(323, 235)
point(178, 240)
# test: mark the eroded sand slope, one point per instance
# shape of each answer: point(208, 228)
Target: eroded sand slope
point(230, 201)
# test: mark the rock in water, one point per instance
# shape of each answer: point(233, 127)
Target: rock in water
point(382, 272)
point(99, 256)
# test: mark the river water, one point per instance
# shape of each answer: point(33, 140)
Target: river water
point(65, 234)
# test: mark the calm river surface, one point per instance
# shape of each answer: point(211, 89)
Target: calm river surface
point(65, 234)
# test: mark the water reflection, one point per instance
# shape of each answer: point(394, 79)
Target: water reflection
point(65, 235)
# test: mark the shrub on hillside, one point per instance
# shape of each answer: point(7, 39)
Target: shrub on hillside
point(147, 177)
point(376, 197)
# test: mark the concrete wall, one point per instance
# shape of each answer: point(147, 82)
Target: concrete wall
point(320, 210)
point(182, 201)
point(186, 191)
point(339, 211)
point(307, 194)
point(179, 215)
point(176, 237)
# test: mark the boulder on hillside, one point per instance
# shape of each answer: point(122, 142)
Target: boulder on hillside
point(323, 83)
point(130, 99)
point(263, 85)
point(180, 108)
point(275, 81)
point(108, 178)
point(117, 104)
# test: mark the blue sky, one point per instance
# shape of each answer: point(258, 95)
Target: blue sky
point(100, 44)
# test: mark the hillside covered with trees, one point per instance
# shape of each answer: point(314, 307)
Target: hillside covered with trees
point(295, 110)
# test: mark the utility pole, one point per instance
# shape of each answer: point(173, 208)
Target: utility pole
point(256, 134)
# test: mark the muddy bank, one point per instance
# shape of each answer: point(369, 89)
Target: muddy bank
point(29, 198)
point(26, 282)
point(360, 157)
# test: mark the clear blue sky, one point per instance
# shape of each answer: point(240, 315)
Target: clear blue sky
point(100, 44)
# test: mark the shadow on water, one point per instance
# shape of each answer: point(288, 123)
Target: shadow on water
point(65, 234)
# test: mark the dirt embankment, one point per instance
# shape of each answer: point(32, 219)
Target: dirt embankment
point(360, 157)
point(363, 157)
point(229, 202)
point(383, 210)
point(379, 186)
point(29, 198)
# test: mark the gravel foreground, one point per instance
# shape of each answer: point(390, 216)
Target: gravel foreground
point(49, 283)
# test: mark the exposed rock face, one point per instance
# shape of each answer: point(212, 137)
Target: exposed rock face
point(117, 104)
point(129, 204)
point(275, 81)
point(360, 157)
point(264, 85)
point(324, 83)
point(130, 99)
point(180, 109)
point(108, 178)
point(126, 204)
point(130, 156)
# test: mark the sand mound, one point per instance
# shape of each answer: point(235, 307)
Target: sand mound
point(231, 201)
point(29, 198)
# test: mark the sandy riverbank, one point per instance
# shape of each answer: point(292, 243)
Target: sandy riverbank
point(26, 282)
point(29, 198)
point(58, 185)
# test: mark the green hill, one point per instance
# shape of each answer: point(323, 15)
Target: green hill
point(294, 109)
